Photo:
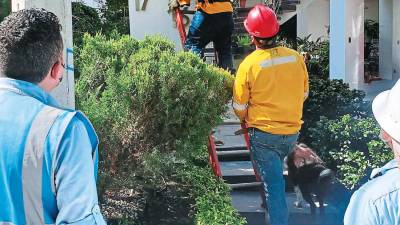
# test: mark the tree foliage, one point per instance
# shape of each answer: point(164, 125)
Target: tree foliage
point(5, 8)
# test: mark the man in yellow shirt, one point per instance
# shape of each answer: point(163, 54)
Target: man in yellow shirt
point(270, 87)
point(212, 22)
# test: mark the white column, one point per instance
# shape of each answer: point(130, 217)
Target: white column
point(337, 52)
point(313, 18)
point(62, 8)
point(396, 40)
point(347, 41)
point(153, 18)
point(386, 38)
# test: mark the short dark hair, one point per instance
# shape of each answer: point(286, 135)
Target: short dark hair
point(30, 44)
point(266, 43)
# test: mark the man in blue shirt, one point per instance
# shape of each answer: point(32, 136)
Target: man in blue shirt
point(377, 202)
point(48, 155)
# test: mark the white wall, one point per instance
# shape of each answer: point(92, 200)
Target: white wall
point(347, 41)
point(372, 10)
point(154, 20)
point(355, 47)
point(313, 18)
point(251, 3)
point(386, 38)
point(92, 3)
point(396, 40)
point(64, 93)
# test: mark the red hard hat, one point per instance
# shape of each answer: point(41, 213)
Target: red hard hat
point(262, 22)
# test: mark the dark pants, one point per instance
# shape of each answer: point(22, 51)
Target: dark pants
point(212, 27)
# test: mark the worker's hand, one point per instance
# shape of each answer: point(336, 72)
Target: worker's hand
point(240, 132)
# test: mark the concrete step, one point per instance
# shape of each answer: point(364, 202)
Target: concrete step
point(226, 133)
point(254, 186)
point(237, 168)
point(302, 216)
point(235, 172)
point(248, 204)
point(239, 172)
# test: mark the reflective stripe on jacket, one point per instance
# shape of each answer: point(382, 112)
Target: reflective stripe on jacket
point(48, 160)
point(270, 88)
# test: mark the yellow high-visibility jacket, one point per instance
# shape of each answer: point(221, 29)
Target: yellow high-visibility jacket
point(219, 6)
point(270, 88)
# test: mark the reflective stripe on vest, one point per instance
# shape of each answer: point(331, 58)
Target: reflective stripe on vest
point(33, 164)
point(8, 223)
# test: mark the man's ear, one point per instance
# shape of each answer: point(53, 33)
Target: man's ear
point(56, 72)
point(253, 40)
point(396, 151)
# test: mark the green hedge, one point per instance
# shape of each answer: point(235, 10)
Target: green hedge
point(148, 102)
point(331, 99)
point(351, 145)
point(338, 123)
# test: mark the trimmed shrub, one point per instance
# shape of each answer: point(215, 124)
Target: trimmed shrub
point(153, 109)
point(141, 95)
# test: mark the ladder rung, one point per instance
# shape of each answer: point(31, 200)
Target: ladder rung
point(233, 153)
point(231, 122)
point(233, 148)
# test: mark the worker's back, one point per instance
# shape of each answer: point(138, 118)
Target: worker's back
point(17, 114)
point(211, 6)
point(277, 81)
point(39, 159)
point(218, 6)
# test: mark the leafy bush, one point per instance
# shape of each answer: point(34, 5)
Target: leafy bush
point(212, 196)
point(331, 99)
point(243, 40)
point(142, 95)
point(318, 65)
point(153, 109)
point(351, 145)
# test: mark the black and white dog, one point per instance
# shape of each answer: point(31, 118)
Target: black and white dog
point(309, 175)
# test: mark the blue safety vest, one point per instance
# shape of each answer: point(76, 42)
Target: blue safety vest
point(377, 202)
point(48, 160)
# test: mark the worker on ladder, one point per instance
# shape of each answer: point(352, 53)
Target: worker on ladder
point(212, 22)
point(270, 87)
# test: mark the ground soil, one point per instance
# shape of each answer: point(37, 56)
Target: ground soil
point(144, 205)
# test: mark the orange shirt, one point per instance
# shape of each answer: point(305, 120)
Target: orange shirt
point(211, 8)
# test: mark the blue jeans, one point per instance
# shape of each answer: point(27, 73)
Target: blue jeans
point(212, 27)
point(267, 152)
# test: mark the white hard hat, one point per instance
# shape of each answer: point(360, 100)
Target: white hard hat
point(386, 109)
